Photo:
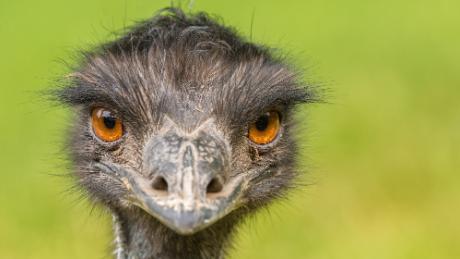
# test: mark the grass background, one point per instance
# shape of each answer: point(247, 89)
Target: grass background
point(384, 155)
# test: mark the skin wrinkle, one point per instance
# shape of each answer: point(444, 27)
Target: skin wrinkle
point(191, 69)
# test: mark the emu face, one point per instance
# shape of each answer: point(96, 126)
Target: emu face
point(185, 120)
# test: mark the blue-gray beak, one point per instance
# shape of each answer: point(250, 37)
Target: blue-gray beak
point(185, 182)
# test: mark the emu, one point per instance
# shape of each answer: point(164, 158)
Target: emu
point(182, 129)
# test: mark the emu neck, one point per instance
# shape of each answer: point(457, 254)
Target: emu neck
point(139, 236)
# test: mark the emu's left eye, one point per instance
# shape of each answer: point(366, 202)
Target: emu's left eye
point(106, 125)
point(265, 129)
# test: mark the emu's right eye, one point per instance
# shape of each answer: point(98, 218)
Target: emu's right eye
point(106, 125)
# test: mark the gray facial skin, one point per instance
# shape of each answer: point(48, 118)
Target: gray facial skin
point(187, 163)
point(184, 173)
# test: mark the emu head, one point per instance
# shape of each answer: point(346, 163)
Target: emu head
point(183, 120)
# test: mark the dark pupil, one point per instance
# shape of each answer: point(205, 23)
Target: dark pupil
point(109, 121)
point(262, 122)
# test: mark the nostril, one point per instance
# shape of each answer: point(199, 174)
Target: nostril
point(215, 185)
point(160, 184)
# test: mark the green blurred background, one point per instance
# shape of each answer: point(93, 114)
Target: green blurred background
point(383, 155)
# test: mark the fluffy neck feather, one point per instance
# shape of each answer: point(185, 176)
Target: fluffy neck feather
point(139, 236)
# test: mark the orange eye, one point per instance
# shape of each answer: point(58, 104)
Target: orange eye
point(265, 129)
point(106, 126)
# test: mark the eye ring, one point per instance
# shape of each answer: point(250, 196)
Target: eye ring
point(106, 126)
point(265, 129)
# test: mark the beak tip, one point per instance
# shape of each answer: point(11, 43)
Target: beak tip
point(186, 222)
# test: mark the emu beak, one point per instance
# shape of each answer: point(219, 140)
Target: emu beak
point(186, 189)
